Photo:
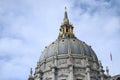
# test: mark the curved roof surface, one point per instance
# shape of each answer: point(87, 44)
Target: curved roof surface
point(68, 46)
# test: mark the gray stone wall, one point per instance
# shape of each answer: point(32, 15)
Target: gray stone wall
point(69, 68)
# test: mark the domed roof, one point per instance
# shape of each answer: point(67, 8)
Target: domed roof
point(67, 44)
point(70, 46)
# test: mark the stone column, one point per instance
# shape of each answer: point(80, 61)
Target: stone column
point(71, 75)
point(53, 73)
point(101, 71)
point(40, 75)
point(44, 63)
point(56, 62)
point(88, 72)
point(87, 69)
point(101, 78)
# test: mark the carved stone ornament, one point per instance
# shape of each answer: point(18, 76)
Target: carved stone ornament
point(63, 75)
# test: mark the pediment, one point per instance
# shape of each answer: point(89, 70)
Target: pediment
point(79, 74)
point(48, 78)
point(63, 75)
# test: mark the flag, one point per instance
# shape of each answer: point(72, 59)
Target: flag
point(110, 56)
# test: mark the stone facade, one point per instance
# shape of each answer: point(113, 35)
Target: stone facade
point(64, 67)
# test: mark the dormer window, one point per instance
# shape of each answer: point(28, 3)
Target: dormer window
point(67, 30)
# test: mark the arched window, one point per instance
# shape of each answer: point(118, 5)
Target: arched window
point(67, 30)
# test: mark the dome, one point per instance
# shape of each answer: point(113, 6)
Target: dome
point(68, 58)
point(68, 46)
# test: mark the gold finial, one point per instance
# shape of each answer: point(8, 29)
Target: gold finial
point(65, 8)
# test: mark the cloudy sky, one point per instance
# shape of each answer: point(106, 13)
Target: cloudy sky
point(27, 26)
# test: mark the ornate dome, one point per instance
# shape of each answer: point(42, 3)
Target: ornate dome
point(67, 44)
point(68, 58)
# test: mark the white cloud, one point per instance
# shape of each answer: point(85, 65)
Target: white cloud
point(112, 25)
